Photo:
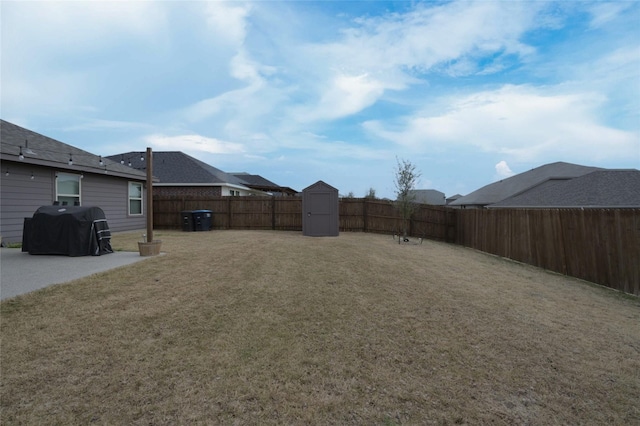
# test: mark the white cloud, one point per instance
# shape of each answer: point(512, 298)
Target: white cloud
point(605, 12)
point(345, 95)
point(194, 143)
point(427, 36)
point(526, 123)
point(503, 170)
point(396, 51)
point(223, 104)
point(227, 21)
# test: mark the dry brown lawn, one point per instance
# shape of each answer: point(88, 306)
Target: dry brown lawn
point(235, 327)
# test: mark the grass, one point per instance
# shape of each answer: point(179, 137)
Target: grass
point(235, 327)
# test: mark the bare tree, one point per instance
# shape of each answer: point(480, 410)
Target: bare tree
point(371, 194)
point(406, 177)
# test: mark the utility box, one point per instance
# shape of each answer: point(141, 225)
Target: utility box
point(320, 211)
point(202, 220)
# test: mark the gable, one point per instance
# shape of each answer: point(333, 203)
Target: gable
point(319, 186)
point(503, 189)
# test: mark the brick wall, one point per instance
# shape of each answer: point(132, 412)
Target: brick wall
point(187, 191)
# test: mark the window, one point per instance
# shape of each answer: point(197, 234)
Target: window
point(135, 198)
point(68, 189)
point(234, 193)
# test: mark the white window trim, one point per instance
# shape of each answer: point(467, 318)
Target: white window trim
point(129, 199)
point(79, 195)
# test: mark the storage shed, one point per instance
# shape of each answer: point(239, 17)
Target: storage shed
point(320, 208)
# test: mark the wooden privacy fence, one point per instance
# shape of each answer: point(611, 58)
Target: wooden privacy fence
point(278, 213)
point(285, 214)
point(597, 245)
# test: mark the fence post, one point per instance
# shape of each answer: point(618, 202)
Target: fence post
point(410, 233)
point(273, 213)
point(365, 225)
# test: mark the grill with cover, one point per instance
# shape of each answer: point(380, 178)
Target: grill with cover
point(71, 231)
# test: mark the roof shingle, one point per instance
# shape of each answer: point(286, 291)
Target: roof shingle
point(598, 189)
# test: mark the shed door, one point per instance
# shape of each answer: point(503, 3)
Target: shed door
point(320, 214)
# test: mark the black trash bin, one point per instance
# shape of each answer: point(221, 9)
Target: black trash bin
point(202, 220)
point(186, 217)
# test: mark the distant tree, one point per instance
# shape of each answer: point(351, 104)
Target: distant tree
point(349, 195)
point(406, 177)
point(371, 194)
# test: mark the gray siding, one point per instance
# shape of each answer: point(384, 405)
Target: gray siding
point(21, 197)
point(112, 196)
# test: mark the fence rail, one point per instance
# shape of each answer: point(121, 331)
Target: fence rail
point(598, 245)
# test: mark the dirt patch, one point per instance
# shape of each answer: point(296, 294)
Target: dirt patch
point(240, 327)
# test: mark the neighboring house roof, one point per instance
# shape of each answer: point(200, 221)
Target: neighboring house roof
point(262, 184)
point(453, 198)
point(599, 189)
point(519, 183)
point(175, 167)
point(428, 196)
point(44, 151)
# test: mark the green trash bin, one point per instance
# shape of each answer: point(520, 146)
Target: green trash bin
point(202, 220)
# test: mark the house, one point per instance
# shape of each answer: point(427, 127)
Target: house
point(599, 189)
point(38, 170)
point(453, 198)
point(518, 184)
point(428, 196)
point(183, 175)
point(261, 184)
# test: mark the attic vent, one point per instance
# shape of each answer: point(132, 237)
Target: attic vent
point(28, 150)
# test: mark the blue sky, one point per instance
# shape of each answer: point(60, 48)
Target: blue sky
point(300, 91)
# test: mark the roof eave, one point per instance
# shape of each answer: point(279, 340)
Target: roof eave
point(73, 168)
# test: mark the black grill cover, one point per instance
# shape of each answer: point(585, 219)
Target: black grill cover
point(71, 231)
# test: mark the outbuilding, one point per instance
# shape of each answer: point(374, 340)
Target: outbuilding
point(320, 210)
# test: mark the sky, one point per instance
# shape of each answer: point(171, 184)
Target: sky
point(469, 92)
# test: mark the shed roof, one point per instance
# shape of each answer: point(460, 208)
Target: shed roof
point(45, 151)
point(319, 185)
point(598, 189)
point(519, 183)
